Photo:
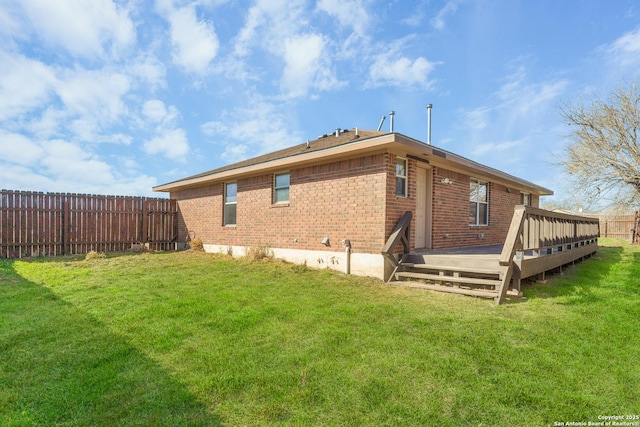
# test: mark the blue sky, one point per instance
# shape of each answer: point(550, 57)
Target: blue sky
point(114, 97)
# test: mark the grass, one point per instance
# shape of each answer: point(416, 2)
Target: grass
point(199, 339)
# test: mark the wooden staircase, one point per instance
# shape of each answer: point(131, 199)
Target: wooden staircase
point(482, 278)
point(537, 241)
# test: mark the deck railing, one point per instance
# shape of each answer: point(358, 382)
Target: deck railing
point(400, 234)
point(558, 237)
point(544, 232)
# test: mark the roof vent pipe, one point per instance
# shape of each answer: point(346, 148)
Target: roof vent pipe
point(429, 107)
point(391, 114)
point(337, 132)
point(381, 122)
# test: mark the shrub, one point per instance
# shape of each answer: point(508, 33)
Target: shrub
point(258, 252)
point(94, 255)
point(196, 245)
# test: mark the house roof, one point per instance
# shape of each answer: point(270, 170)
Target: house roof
point(347, 143)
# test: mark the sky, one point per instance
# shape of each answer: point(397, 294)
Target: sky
point(115, 96)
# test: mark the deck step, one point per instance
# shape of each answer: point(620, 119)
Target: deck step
point(440, 267)
point(451, 279)
point(440, 288)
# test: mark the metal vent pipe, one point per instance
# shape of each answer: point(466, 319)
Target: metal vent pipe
point(391, 115)
point(429, 107)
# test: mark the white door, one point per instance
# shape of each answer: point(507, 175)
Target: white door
point(423, 207)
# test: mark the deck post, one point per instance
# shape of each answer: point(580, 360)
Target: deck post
point(400, 234)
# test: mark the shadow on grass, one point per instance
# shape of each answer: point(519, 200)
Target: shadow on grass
point(577, 281)
point(78, 257)
point(60, 366)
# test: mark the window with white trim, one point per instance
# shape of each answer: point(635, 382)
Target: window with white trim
point(525, 199)
point(478, 203)
point(401, 177)
point(230, 203)
point(281, 182)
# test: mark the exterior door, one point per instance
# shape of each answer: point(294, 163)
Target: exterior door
point(424, 184)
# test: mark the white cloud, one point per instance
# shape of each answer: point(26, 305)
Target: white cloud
point(156, 111)
point(16, 177)
point(84, 28)
point(168, 140)
point(248, 132)
point(438, 21)
point(477, 118)
point(268, 23)
point(306, 66)
point(627, 45)
point(349, 13)
point(400, 72)
point(482, 149)
point(171, 143)
point(48, 124)
point(25, 84)
point(147, 68)
point(68, 161)
point(523, 97)
point(195, 43)
point(235, 153)
point(19, 149)
point(96, 94)
point(9, 25)
point(279, 27)
point(623, 55)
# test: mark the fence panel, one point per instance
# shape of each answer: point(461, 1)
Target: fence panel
point(44, 224)
point(618, 226)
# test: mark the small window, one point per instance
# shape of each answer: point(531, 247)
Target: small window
point(230, 203)
point(478, 203)
point(281, 188)
point(525, 199)
point(401, 177)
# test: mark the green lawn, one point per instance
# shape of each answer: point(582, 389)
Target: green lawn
point(199, 339)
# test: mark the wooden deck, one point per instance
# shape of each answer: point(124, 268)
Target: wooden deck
point(538, 241)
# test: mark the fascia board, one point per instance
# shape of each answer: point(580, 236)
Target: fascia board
point(365, 146)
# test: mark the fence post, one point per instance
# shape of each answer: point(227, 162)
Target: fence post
point(65, 225)
point(145, 221)
point(4, 222)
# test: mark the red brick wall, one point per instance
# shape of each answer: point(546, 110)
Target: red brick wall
point(344, 199)
point(200, 212)
point(396, 206)
point(353, 198)
point(451, 212)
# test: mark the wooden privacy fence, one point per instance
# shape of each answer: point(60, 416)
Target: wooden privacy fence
point(620, 226)
point(44, 224)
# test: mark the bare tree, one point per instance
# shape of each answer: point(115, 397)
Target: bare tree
point(603, 156)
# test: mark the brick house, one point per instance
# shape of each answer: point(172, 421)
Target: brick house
point(333, 202)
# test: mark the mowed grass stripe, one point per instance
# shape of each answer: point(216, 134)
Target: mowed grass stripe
point(200, 339)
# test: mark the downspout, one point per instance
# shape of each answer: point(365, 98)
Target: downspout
point(347, 255)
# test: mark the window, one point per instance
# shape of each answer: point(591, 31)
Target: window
point(281, 188)
point(478, 204)
point(230, 203)
point(401, 177)
point(525, 199)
